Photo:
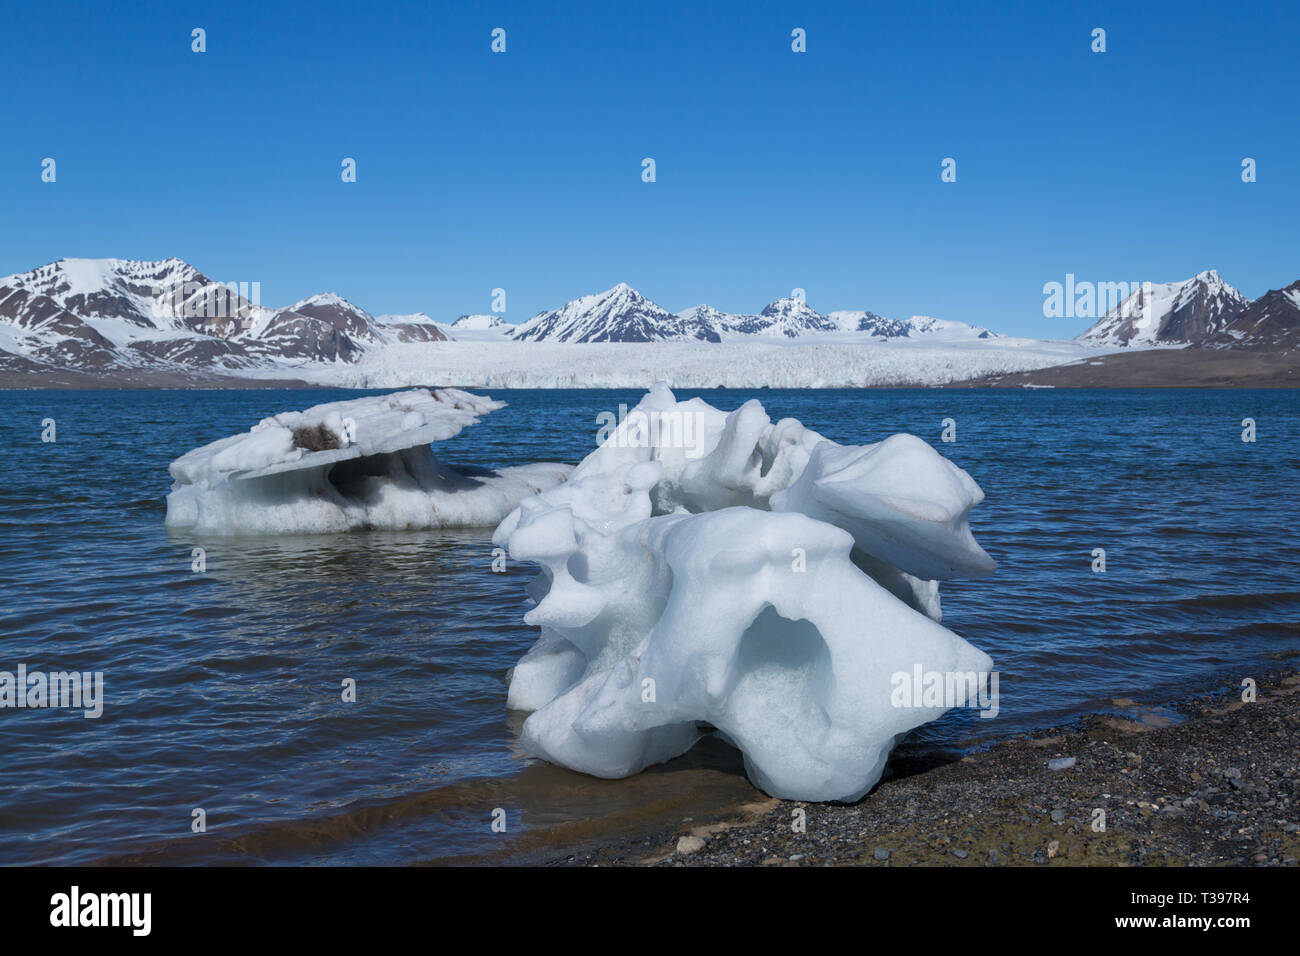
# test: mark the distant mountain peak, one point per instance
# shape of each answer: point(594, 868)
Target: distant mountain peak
point(478, 322)
point(619, 314)
point(789, 317)
point(787, 305)
point(1194, 311)
point(324, 298)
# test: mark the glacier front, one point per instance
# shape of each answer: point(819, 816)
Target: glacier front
point(704, 571)
point(341, 466)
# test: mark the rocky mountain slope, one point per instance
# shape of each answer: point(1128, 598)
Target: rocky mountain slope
point(1271, 321)
point(102, 314)
point(1196, 311)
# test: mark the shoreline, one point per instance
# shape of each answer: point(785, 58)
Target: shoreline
point(1216, 785)
point(1158, 369)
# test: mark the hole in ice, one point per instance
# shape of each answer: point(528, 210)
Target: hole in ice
point(577, 567)
point(783, 666)
point(349, 477)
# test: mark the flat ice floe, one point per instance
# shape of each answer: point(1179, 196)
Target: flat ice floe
point(704, 569)
point(363, 463)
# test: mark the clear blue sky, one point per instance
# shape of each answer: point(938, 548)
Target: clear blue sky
point(775, 169)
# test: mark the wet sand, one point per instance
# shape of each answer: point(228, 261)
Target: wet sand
point(1216, 784)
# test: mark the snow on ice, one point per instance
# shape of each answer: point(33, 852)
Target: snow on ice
point(757, 578)
point(364, 463)
point(829, 361)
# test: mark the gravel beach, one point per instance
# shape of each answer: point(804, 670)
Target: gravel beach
point(1208, 781)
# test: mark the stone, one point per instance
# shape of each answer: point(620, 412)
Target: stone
point(689, 844)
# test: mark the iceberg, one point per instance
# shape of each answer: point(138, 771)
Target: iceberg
point(749, 577)
point(342, 466)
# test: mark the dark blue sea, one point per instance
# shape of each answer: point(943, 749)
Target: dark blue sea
point(222, 688)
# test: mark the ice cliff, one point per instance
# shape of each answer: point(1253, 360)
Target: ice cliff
point(364, 463)
point(710, 570)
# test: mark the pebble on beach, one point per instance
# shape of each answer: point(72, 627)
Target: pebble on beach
point(689, 844)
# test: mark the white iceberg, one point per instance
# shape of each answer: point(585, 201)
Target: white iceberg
point(363, 463)
point(705, 568)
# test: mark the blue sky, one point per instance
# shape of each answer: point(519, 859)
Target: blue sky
point(775, 170)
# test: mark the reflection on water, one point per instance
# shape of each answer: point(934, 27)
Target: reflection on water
point(224, 690)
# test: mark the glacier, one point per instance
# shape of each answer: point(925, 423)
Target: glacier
point(760, 581)
point(825, 361)
point(349, 465)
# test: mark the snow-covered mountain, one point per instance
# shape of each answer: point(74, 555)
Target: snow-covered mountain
point(620, 314)
point(788, 317)
point(478, 323)
point(479, 328)
point(929, 328)
point(100, 314)
point(860, 320)
point(706, 318)
point(415, 327)
point(1196, 311)
point(784, 318)
point(1271, 321)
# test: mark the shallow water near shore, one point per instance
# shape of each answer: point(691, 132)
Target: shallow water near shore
point(222, 689)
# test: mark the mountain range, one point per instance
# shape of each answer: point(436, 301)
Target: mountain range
point(101, 315)
point(622, 314)
point(108, 316)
